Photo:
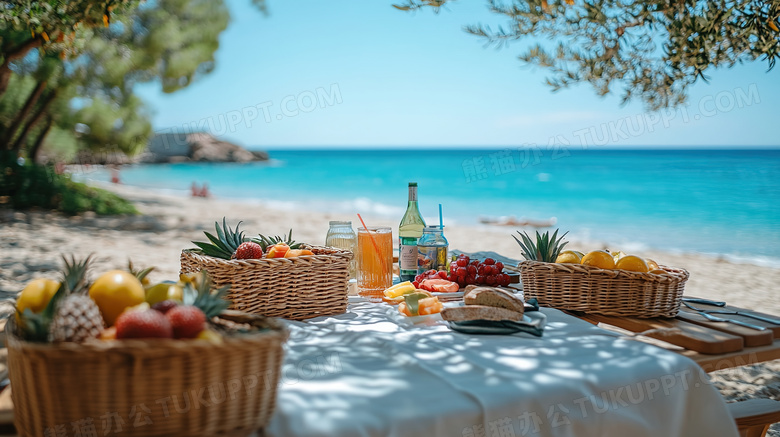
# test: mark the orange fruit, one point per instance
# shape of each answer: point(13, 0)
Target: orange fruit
point(277, 250)
point(632, 263)
point(568, 257)
point(599, 258)
point(115, 291)
point(652, 265)
point(659, 272)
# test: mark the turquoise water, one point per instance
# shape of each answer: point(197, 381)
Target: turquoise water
point(709, 201)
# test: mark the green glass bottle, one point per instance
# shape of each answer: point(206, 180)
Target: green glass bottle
point(410, 229)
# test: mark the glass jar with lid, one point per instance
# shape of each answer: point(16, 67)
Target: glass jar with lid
point(341, 235)
point(432, 248)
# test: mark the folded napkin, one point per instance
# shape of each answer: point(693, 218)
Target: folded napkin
point(533, 323)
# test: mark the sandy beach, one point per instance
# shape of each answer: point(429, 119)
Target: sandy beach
point(31, 244)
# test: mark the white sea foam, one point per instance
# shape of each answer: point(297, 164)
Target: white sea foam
point(365, 205)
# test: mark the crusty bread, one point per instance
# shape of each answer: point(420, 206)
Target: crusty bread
point(479, 312)
point(494, 297)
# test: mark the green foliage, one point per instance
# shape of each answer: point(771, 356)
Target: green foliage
point(651, 50)
point(114, 126)
point(91, 74)
point(54, 17)
point(29, 186)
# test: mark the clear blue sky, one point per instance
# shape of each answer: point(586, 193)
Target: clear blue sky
point(340, 73)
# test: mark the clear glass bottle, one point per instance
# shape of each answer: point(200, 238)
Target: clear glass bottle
point(432, 247)
point(341, 235)
point(410, 229)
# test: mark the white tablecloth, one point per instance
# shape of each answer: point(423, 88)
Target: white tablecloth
point(365, 374)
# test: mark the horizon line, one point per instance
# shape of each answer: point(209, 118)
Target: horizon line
point(519, 146)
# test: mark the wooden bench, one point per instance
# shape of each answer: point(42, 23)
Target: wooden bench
point(755, 416)
point(714, 346)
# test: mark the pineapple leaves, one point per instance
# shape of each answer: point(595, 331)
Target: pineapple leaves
point(264, 241)
point(140, 274)
point(220, 234)
point(224, 244)
point(35, 326)
point(545, 249)
point(227, 240)
point(198, 292)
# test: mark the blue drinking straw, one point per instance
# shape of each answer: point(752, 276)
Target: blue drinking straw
point(441, 222)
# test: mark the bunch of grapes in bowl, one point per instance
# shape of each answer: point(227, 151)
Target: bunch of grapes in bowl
point(466, 271)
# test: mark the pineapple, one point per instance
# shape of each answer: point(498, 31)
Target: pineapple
point(264, 241)
point(70, 315)
point(76, 317)
point(546, 249)
point(197, 292)
point(226, 242)
point(141, 274)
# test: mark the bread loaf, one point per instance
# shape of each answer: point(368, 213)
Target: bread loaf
point(494, 297)
point(479, 312)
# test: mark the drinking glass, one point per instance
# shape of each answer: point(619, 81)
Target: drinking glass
point(374, 262)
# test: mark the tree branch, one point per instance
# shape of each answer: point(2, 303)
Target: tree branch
point(19, 143)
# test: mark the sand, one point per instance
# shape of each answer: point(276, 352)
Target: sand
point(31, 244)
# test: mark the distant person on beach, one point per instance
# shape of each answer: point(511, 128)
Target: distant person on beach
point(115, 176)
point(203, 192)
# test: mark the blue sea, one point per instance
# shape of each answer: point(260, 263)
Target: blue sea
point(720, 202)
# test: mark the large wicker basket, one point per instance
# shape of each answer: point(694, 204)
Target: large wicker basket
point(610, 292)
point(292, 288)
point(146, 387)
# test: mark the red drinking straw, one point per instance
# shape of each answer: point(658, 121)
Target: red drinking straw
point(378, 253)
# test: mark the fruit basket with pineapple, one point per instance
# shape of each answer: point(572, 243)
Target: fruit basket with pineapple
point(273, 276)
point(600, 282)
point(82, 356)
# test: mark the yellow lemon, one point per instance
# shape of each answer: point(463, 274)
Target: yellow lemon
point(659, 272)
point(115, 291)
point(36, 295)
point(568, 257)
point(599, 258)
point(652, 265)
point(164, 291)
point(580, 254)
point(632, 263)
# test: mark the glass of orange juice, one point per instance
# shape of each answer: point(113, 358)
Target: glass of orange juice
point(374, 262)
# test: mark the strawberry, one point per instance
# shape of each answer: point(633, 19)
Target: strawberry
point(187, 321)
point(143, 324)
point(248, 250)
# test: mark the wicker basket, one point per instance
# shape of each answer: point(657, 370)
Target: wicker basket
point(610, 292)
point(147, 387)
point(292, 288)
